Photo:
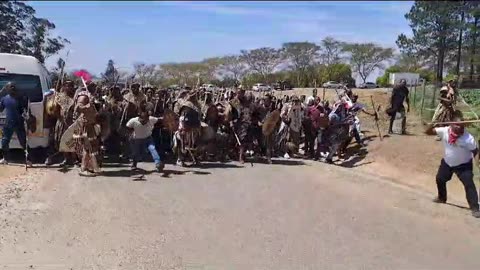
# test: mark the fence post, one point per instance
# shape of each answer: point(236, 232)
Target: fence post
point(415, 95)
point(434, 95)
point(423, 100)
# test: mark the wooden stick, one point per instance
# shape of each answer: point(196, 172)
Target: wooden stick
point(457, 122)
point(376, 120)
point(60, 78)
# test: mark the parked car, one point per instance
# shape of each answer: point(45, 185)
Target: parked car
point(261, 87)
point(332, 84)
point(282, 85)
point(368, 85)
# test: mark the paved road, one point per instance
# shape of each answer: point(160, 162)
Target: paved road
point(289, 216)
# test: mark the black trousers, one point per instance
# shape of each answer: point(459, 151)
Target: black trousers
point(310, 137)
point(464, 172)
point(404, 120)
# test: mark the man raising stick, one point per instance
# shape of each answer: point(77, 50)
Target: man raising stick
point(460, 149)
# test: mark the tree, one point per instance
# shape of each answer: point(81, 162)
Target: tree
point(111, 73)
point(24, 33)
point(209, 68)
point(471, 35)
point(233, 66)
point(263, 60)
point(331, 50)
point(38, 42)
point(408, 63)
point(145, 73)
point(366, 57)
point(434, 25)
point(300, 56)
point(14, 16)
point(461, 28)
point(331, 55)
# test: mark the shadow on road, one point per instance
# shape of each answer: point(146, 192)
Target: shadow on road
point(127, 173)
point(214, 165)
point(287, 162)
point(168, 173)
point(458, 206)
point(355, 155)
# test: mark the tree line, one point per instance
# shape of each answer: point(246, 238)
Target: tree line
point(303, 64)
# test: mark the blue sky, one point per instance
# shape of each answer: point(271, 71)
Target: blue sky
point(158, 32)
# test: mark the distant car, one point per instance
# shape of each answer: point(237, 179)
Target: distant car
point(332, 84)
point(368, 85)
point(261, 87)
point(282, 85)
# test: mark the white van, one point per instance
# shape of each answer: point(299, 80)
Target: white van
point(33, 80)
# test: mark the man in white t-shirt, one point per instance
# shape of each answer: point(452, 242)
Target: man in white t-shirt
point(141, 128)
point(460, 149)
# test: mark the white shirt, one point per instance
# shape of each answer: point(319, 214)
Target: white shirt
point(142, 131)
point(460, 152)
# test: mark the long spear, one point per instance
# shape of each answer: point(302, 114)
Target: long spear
point(376, 119)
point(60, 78)
point(25, 122)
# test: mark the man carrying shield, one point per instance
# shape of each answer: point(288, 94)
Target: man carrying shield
point(63, 112)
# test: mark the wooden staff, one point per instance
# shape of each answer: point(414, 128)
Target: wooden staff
point(156, 105)
point(455, 122)
point(60, 78)
point(376, 119)
point(116, 81)
point(123, 115)
point(25, 122)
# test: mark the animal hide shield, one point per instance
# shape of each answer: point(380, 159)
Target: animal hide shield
point(67, 143)
point(270, 122)
point(230, 112)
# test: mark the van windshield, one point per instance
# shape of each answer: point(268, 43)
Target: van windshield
point(28, 85)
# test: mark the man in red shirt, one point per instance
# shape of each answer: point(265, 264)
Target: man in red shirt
point(313, 122)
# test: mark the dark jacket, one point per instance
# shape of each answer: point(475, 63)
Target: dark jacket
point(14, 108)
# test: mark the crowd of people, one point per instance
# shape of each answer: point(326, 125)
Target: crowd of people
point(90, 122)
